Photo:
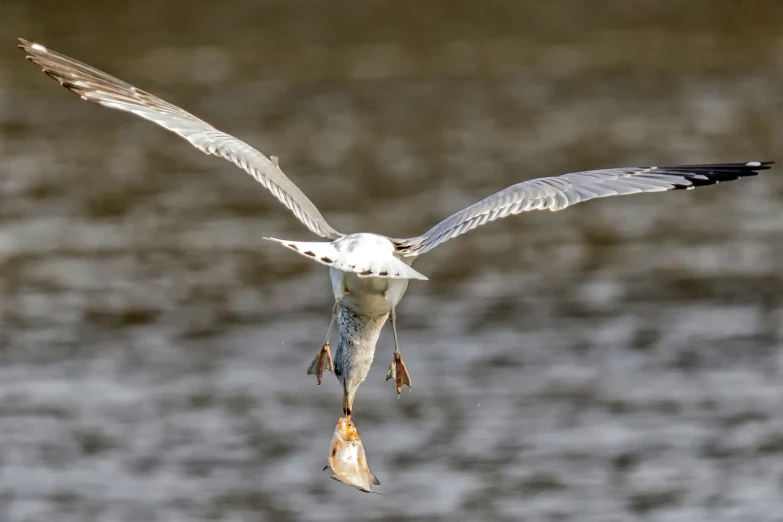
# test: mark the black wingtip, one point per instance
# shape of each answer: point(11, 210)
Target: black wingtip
point(712, 173)
point(25, 44)
point(30, 48)
point(748, 165)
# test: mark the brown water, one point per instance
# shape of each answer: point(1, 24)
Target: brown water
point(617, 361)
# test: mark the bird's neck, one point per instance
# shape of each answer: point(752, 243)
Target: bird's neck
point(358, 335)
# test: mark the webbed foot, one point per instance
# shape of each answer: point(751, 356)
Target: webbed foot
point(398, 372)
point(322, 361)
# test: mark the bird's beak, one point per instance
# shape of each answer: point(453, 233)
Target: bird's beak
point(347, 401)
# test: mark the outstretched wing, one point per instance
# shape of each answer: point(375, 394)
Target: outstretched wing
point(557, 193)
point(97, 86)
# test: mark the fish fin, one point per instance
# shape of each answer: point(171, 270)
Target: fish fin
point(374, 479)
point(335, 477)
point(363, 490)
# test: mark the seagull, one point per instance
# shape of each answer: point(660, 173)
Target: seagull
point(370, 272)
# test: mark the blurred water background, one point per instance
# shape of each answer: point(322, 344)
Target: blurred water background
point(617, 361)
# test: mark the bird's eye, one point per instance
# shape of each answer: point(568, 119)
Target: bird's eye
point(337, 371)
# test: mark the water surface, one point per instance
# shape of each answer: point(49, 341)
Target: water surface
point(617, 361)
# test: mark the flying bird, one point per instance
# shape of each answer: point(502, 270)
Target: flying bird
point(370, 272)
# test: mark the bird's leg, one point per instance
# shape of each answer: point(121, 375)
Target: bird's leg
point(323, 359)
point(397, 369)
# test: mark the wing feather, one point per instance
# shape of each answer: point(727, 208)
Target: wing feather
point(99, 87)
point(557, 193)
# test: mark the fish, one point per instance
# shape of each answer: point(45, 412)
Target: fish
point(348, 459)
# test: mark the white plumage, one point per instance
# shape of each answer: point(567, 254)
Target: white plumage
point(366, 255)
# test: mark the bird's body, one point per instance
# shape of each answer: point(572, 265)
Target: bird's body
point(370, 295)
point(365, 305)
point(370, 272)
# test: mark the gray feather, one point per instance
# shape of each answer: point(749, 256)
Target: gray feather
point(557, 193)
point(97, 86)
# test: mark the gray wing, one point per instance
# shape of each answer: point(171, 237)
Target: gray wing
point(97, 86)
point(557, 193)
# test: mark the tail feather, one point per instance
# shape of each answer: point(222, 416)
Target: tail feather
point(390, 266)
point(325, 253)
point(319, 251)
